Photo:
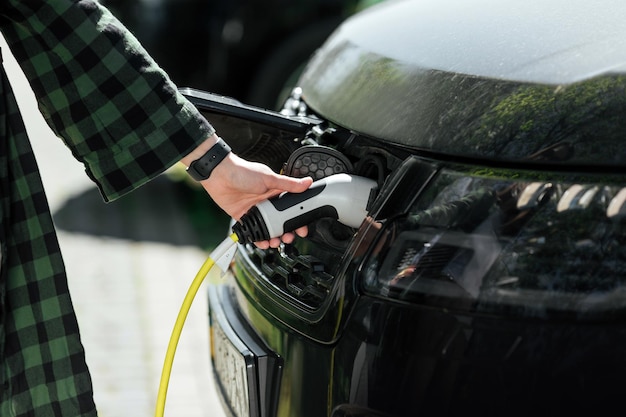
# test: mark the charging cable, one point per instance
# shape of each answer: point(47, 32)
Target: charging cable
point(221, 256)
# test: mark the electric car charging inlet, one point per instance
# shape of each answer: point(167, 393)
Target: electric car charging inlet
point(343, 197)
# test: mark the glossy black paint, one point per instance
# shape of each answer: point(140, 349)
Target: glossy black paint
point(402, 360)
point(306, 367)
point(490, 81)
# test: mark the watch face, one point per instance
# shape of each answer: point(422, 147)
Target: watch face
point(201, 168)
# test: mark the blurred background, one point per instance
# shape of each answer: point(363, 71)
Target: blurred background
point(130, 262)
point(251, 50)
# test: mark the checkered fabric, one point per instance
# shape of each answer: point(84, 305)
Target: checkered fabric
point(124, 120)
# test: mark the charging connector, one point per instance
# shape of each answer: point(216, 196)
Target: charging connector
point(343, 197)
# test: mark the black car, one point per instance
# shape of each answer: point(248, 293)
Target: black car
point(488, 277)
point(246, 49)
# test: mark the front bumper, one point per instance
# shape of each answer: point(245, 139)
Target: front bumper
point(246, 371)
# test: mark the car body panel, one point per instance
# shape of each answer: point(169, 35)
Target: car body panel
point(479, 81)
point(493, 39)
point(404, 361)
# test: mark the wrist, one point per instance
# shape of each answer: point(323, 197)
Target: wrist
point(199, 150)
point(205, 158)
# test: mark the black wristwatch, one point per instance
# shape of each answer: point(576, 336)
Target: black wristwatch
point(201, 168)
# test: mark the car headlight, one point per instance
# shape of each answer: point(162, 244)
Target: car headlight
point(527, 243)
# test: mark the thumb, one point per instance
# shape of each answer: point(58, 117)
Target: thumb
point(291, 184)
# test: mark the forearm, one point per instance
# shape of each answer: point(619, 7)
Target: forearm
point(100, 91)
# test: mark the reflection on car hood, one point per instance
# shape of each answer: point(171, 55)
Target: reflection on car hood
point(485, 79)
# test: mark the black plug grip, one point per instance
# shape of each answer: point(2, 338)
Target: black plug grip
point(310, 217)
point(251, 228)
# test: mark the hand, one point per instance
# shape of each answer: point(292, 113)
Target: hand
point(237, 184)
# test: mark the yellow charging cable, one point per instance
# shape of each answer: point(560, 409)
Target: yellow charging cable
point(223, 249)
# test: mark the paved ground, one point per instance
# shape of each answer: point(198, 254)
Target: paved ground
point(130, 264)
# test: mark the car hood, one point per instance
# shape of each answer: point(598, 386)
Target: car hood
point(489, 79)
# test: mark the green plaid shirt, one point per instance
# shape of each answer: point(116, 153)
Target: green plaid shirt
point(124, 120)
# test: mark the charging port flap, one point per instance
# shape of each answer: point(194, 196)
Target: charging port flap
point(252, 132)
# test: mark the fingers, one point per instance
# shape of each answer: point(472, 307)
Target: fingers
point(293, 185)
point(272, 243)
point(287, 238)
point(302, 231)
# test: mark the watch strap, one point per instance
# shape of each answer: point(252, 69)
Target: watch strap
point(201, 168)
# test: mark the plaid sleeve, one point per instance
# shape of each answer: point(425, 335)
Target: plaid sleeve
point(100, 91)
